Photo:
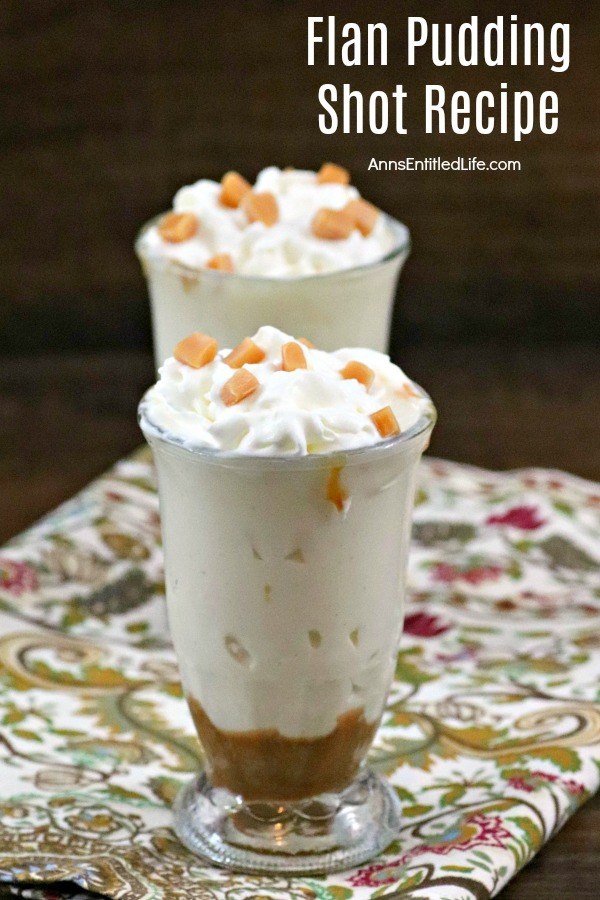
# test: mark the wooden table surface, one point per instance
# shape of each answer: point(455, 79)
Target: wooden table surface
point(65, 418)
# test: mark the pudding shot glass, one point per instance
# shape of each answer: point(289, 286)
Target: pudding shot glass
point(285, 580)
point(336, 309)
point(338, 284)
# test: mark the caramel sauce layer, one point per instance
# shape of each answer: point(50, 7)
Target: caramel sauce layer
point(265, 765)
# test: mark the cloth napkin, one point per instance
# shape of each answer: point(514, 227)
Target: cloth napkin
point(491, 736)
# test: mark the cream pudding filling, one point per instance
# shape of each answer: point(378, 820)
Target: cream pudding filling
point(310, 410)
point(286, 486)
point(287, 248)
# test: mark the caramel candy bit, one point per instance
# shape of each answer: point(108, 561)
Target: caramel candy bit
point(292, 357)
point(246, 352)
point(196, 350)
point(178, 227)
point(221, 261)
point(315, 637)
point(363, 214)
point(239, 386)
point(335, 493)
point(407, 391)
point(385, 422)
point(233, 189)
point(332, 224)
point(306, 343)
point(329, 173)
point(261, 208)
point(359, 371)
point(188, 282)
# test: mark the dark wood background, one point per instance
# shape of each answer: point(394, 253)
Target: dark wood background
point(108, 106)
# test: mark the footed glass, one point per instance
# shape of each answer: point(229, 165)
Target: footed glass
point(285, 592)
point(326, 833)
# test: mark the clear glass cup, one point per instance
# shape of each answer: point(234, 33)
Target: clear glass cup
point(285, 593)
point(348, 308)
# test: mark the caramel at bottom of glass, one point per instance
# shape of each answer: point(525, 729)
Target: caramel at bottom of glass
point(265, 765)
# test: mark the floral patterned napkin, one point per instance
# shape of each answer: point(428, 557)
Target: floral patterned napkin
point(492, 731)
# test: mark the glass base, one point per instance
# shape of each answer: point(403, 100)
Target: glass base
point(327, 833)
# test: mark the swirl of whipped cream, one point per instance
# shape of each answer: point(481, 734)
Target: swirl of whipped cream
point(308, 410)
point(286, 249)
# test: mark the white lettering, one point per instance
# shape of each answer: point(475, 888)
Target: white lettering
point(312, 38)
point(328, 92)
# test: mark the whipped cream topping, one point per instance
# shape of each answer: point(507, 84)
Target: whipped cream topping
point(284, 250)
point(304, 411)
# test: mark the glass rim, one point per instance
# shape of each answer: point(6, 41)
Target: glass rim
point(233, 458)
point(403, 246)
